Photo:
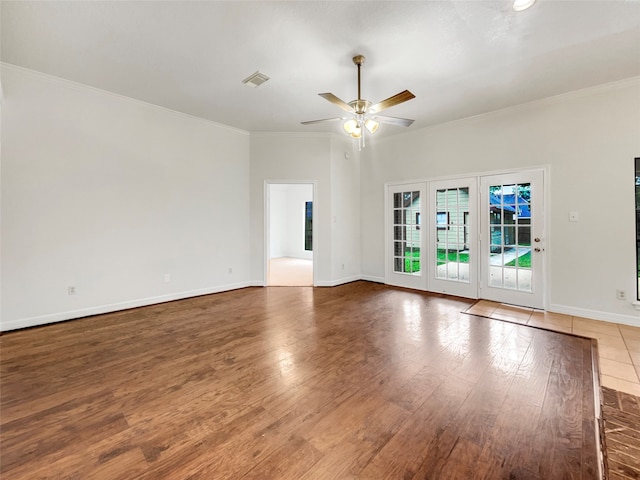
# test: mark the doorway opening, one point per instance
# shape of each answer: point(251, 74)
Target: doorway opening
point(290, 208)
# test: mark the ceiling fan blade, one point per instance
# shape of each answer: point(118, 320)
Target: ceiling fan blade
point(311, 122)
point(402, 122)
point(336, 101)
point(391, 101)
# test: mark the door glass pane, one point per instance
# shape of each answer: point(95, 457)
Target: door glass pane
point(510, 236)
point(406, 232)
point(495, 276)
point(398, 265)
point(452, 234)
point(496, 239)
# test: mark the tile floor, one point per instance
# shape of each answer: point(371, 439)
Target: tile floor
point(618, 345)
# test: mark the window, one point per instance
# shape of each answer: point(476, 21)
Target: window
point(442, 220)
point(308, 226)
point(452, 208)
point(406, 232)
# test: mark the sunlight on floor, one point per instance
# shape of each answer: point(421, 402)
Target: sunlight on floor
point(618, 345)
point(290, 272)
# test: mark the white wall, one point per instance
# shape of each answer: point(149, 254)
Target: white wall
point(588, 139)
point(303, 158)
point(346, 209)
point(287, 220)
point(290, 157)
point(278, 221)
point(109, 194)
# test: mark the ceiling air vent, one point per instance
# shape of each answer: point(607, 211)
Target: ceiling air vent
point(255, 80)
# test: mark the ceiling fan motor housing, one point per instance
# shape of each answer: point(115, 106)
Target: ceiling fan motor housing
point(360, 106)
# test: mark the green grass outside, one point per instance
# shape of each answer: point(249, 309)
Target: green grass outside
point(451, 256)
point(412, 259)
point(524, 261)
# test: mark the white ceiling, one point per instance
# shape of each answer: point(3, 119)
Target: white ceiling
point(459, 58)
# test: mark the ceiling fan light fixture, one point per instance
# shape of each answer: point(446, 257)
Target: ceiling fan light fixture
point(520, 5)
point(357, 132)
point(371, 125)
point(350, 126)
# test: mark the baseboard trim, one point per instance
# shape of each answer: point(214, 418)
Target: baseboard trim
point(371, 278)
point(339, 281)
point(632, 320)
point(115, 307)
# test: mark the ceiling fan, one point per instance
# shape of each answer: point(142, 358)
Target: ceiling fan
point(363, 112)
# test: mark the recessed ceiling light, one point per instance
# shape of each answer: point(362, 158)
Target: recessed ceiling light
point(256, 79)
point(519, 5)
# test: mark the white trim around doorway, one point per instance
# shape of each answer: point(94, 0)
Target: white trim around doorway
point(545, 169)
point(267, 224)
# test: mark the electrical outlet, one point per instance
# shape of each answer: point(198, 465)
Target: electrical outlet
point(71, 290)
point(230, 270)
point(621, 295)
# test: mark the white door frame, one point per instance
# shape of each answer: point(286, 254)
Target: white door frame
point(478, 176)
point(267, 224)
point(537, 298)
point(453, 287)
point(418, 282)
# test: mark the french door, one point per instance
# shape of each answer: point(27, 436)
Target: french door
point(475, 237)
point(405, 266)
point(512, 236)
point(453, 237)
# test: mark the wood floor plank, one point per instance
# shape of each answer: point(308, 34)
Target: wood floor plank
point(510, 443)
point(591, 466)
point(359, 381)
point(413, 450)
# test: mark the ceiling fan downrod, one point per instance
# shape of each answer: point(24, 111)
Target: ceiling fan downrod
point(359, 105)
point(359, 61)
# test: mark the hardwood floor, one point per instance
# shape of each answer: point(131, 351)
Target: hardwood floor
point(357, 381)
